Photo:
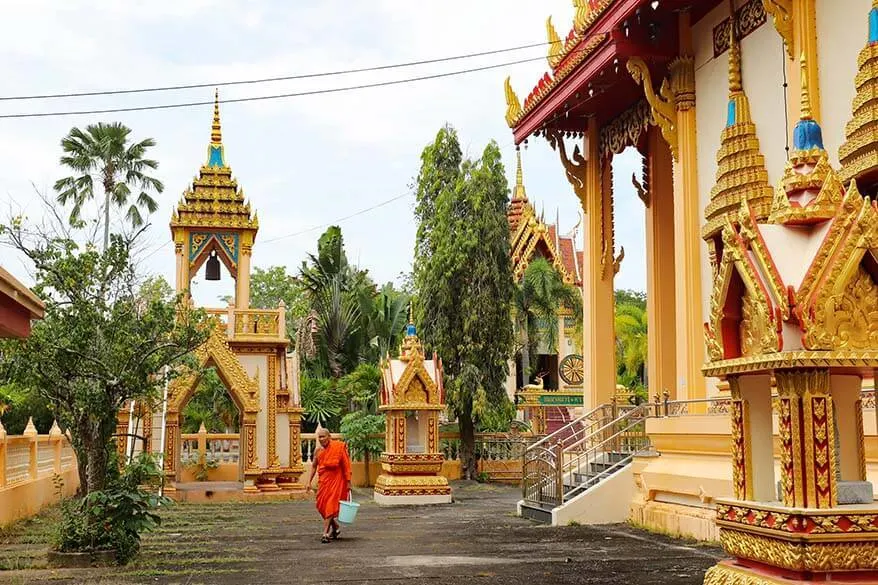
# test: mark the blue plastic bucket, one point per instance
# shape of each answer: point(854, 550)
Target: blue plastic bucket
point(347, 510)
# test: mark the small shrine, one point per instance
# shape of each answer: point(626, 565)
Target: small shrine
point(412, 395)
point(795, 306)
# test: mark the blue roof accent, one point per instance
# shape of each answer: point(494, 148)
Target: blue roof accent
point(216, 156)
point(732, 117)
point(873, 25)
point(807, 135)
point(410, 330)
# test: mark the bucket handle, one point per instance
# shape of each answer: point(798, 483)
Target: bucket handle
point(350, 495)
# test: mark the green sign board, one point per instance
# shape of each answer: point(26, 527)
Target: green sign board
point(560, 399)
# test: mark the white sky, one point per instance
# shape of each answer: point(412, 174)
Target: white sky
point(305, 161)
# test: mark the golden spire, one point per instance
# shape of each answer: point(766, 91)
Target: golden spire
point(518, 194)
point(734, 60)
point(216, 134)
point(806, 95)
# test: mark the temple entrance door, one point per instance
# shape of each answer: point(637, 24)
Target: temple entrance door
point(210, 433)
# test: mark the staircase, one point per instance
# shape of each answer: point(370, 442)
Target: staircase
point(574, 471)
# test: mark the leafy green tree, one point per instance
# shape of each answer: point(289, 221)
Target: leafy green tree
point(271, 286)
point(630, 297)
point(463, 278)
point(538, 298)
point(632, 344)
point(100, 344)
point(102, 153)
point(211, 405)
point(363, 426)
point(18, 404)
point(389, 319)
point(343, 298)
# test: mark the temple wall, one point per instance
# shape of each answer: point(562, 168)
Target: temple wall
point(841, 35)
point(675, 490)
point(252, 364)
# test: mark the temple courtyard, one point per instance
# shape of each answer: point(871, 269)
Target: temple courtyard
point(477, 539)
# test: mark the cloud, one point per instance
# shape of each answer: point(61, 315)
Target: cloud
point(302, 162)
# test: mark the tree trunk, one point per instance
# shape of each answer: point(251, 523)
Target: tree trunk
point(106, 219)
point(525, 357)
point(92, 457)
point(467, 444)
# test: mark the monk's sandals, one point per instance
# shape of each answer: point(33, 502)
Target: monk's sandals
point(324, 539)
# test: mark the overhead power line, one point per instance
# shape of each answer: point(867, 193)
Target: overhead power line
point(78, 94)
point(271, 97)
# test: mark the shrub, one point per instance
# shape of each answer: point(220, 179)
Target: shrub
point(113, 518)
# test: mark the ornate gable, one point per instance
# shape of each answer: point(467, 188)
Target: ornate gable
point(742, 319)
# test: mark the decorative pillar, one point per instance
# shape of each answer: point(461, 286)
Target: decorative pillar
point(248, 452)
point(599, 343)
point(808, 439)
point(169, 462)
point(687, 223)
point(242, 282)
point(658, 197)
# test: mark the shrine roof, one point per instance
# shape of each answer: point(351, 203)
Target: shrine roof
point(587, 74)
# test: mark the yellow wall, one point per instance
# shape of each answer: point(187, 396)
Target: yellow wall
point(28, 498)
point(675, 491)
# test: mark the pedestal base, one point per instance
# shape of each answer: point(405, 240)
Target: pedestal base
point(385, 500)
point(408, 490)
point(733, 573)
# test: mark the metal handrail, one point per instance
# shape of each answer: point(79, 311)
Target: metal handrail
point(546, 466)
point(564, 431)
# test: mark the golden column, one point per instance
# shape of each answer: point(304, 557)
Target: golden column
point(687, 221)
point(657, 195)
point(599, 342)
point(673, 110)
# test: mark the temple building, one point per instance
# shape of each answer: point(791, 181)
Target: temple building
point(758, 124)
point(18, 307)
point(555, 369)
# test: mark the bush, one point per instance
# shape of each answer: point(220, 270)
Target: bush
point(359, 430)
point(115, 517)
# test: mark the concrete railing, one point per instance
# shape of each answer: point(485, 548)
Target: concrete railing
point(29, 466)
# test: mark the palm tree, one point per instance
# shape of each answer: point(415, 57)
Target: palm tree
point(631, 339)
point(538, 298)
point(103, 153)
point(389, 318)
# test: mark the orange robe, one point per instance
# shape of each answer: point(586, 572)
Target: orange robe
point(333, 476)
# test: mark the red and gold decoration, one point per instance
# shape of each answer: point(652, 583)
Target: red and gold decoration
point(412, 396)
point(795, 306)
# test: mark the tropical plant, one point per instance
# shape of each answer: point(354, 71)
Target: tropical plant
point(322, 402)
point(102, 153)
point(538, 299)
point(114, 518)
point(389, 320)
point(361, 387)
point(211, 405)
point(463, 278)
point(632, 344)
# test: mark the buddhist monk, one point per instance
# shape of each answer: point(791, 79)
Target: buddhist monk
point(333, 466)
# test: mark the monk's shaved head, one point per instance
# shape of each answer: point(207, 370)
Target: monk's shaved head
point(321, 432)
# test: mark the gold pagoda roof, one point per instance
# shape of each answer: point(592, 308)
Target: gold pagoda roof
point(214, 200)
point(741, 172)
point(859, 153)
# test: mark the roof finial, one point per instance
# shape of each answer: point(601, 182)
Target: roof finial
point(518, 193)
point(216, 135)
point(734, 59)
point(806, 94)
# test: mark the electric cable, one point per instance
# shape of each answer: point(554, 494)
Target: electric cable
point(78, 94)
point(270, 97)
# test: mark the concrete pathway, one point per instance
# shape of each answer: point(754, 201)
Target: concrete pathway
point(475, 540)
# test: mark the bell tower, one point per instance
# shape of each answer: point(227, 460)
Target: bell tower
point(212, 223)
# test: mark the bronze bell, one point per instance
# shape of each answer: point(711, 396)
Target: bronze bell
point(212, 272)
